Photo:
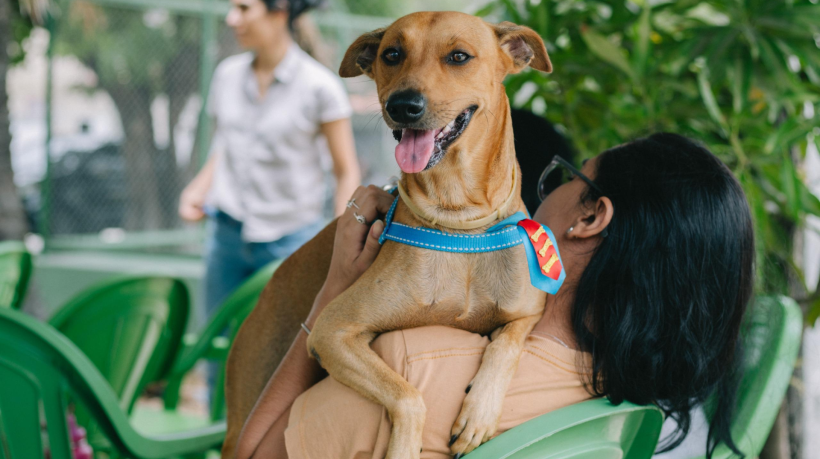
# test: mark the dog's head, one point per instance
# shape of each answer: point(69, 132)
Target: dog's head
point(435, 71)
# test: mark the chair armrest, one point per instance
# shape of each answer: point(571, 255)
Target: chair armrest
point(178, 443)
point(182, 365)
point(217, 350)
point(589, 427)
point(220, 346)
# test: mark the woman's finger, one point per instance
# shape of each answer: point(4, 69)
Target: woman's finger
point(350, 236)
point(191, 213)
point(357, 202)
point(384, 201)
point(374, 202)
point(371, 203)
point(371, 246)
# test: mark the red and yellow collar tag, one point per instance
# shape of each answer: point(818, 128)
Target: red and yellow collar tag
point(546, 269)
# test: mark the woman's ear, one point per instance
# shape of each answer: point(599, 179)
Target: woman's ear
point(595, 220)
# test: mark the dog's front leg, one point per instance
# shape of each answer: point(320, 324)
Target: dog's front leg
point(340, 341)
point(481, 410)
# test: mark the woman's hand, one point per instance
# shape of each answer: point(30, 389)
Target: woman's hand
point(339, 135)
point(356, 244)
point(192, 199)
point(191, 203)
point(354, 249)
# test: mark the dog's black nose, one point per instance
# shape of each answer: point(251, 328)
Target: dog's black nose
point(406, 106)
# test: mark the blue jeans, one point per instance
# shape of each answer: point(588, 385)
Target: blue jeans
point(229, 260)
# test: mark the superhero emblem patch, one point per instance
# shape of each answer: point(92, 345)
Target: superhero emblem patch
point(546, 269)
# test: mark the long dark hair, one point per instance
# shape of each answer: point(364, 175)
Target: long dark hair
point(661, 302)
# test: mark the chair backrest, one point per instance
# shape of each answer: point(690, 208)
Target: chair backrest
point(130, 328)
point(771, 341)
point(42, 372)
point(595, 429)
point(239, 304)
point(228, 319)
point(15, 270)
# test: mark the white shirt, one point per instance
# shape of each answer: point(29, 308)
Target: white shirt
point(270, 173)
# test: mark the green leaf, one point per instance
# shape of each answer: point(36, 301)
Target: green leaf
point(722, 77)
point(769, 180)
point(606, 51)
point(741, 77)
point(754, 47)
point(792, 132)
point(790, 184)
point(643, 42)
point(774, 63)
point(541, 12)
point(709, 101)
point(809, 203)
point(512, 11)
point(813, 314)
point(486, 10)
point(716, 53)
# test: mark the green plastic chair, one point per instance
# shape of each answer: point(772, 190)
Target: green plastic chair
point(15, 271)
point(595, 429)
point(772, 340)
point(211, 345)
point(130, 328)
point(43, 373)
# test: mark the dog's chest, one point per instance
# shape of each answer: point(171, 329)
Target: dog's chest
point(476, 283)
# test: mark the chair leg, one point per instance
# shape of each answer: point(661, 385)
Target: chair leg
point(218, 395)
point(171, 395)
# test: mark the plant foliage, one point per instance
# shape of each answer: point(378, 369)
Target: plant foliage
point(742, 76)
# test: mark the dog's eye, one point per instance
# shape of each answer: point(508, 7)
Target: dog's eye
point(458, 57)
point(391, 56)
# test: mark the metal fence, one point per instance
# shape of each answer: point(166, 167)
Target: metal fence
point(125, 125)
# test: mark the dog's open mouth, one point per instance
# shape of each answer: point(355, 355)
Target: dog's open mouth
point(419, 150)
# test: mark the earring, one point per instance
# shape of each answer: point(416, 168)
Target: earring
point(570, 229)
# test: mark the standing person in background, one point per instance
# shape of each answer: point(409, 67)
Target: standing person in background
point(277, 112)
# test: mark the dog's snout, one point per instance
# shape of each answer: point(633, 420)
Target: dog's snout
point(406, 106)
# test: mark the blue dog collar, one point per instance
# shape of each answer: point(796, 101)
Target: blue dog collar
point(544, 261)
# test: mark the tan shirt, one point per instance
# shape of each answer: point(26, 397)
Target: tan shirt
point(332, 421)
point(273, 158)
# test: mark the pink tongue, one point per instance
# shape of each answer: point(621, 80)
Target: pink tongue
point(414, 151)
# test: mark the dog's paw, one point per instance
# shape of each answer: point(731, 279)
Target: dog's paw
point(478, 420)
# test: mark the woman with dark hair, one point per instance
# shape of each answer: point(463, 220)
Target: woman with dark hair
point(280, 118)
point(657, 243)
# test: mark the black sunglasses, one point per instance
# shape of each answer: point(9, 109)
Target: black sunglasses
point(571, 173)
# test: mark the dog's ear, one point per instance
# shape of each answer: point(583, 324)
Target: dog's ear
point(361, 54)
point(524, 46)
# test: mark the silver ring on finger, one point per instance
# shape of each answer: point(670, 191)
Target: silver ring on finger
point(352, 203)
point(360, 218)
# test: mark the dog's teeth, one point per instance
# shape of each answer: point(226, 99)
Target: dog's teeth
point(450, 125)
point(446, 129)
point(440, 135)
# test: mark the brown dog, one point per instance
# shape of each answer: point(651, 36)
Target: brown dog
point(439, 78)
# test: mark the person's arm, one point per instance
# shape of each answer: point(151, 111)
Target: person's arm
point(339, 135)
point(192, 198)
point(354, 249)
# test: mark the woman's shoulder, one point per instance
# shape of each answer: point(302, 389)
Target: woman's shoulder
point(233, 65)
point(547, 349)
point(314, 73)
